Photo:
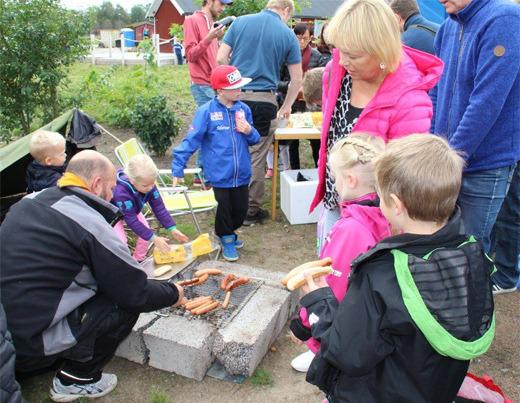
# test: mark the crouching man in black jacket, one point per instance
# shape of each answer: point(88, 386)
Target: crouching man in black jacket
point(419, 304)
point(70, 288)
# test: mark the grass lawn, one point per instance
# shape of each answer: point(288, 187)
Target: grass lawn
point(107, 93)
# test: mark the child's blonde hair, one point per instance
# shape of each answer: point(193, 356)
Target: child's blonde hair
point(369, 26)
point(42, 142)
point(358, 149)
point(424, 173)
point(141, 167)
point(312, 85)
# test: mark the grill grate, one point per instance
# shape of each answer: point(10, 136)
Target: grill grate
point(219, 317)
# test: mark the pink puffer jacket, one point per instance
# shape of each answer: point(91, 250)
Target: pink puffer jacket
point(358, 230)
point(401, 106)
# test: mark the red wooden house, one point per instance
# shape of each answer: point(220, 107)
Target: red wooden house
point(167, 12)
point(139, 29)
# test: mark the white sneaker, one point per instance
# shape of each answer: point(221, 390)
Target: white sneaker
point(69, 393)
point(499, 290)
point(303, 361)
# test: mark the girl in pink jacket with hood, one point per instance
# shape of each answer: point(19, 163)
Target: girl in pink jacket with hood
point(373, 84)
point(360, 227)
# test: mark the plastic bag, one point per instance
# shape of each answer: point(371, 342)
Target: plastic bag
point(480, 389)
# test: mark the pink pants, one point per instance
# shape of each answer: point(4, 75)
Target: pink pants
point(141, 245)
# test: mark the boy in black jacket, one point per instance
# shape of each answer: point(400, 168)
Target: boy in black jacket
point(419, 304)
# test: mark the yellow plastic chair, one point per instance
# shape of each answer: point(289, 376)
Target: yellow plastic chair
point(178, 200)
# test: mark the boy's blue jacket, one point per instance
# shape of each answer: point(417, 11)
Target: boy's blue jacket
point(477, 101)
point(224, 151)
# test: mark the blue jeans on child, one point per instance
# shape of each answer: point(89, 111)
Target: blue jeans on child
point(201, 94)
point(326, 221)
point(481, 196)
point(505, 238)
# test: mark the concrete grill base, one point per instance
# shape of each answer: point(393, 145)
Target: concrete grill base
point(188, 347)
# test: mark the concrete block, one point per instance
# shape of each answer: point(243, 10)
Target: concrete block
point(133, 348)
point(178, 344)
point(241, 345)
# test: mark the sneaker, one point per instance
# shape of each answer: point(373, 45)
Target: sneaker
point(256, 218)
point(69, 393)
point(499, 290)
point(269, 174)
point(238, 244)
point(303, 361)
point(229, 250)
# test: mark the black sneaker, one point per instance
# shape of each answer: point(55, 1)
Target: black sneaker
point(256, 218)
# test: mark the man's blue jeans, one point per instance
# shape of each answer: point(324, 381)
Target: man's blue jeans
point(481, 196)
point(505, 238)
point(201, 94)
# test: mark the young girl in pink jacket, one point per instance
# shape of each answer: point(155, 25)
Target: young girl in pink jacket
point(360, 227)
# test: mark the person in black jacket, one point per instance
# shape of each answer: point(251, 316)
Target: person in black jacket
point(9, 388)
point(70, 288)
point(419, 304)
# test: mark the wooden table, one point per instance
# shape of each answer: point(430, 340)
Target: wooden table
point(287, 134)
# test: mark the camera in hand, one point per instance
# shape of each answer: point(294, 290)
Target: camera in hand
point(226, 21)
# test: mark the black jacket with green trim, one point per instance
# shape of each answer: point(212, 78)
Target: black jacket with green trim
point(59, 251)
point(379, 346)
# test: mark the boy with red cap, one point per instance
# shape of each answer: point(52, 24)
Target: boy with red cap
point(223, 129)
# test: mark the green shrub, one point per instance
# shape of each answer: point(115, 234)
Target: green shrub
point(111, 95)
point(155, 124)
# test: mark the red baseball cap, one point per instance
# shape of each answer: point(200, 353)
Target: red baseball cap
point(226, 77)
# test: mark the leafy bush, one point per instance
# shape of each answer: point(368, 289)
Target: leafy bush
point(176, 30)
point(155, 124)
point(111, 96)
point(147, 49)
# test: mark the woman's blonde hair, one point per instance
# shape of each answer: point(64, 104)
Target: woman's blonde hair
point(141, 167)
point(369, 26)
point(357, 150)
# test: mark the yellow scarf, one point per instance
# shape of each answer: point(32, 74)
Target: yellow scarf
point(71, 179)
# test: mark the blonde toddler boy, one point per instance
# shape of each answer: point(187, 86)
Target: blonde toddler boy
point(48, 150)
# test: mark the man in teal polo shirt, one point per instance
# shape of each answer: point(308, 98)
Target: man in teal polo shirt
point(258, 45)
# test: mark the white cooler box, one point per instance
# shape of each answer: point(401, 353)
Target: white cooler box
point(296, 197)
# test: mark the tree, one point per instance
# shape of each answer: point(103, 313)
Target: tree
point(38, 40)
point(121, 17)
point(137, 13)
point(243, 7)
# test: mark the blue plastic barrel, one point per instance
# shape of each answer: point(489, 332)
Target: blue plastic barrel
point(129, 36)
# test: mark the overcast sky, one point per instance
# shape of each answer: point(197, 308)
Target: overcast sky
point(84, 4)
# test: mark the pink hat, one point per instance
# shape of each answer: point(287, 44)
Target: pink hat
point(227, 77)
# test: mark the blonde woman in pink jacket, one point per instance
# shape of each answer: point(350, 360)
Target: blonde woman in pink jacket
point(373, 84)
point(360, 227)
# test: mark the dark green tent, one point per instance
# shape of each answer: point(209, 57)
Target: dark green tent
point(14, 159)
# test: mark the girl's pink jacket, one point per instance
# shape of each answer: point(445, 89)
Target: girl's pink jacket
point(358, 230)
point(401, 106)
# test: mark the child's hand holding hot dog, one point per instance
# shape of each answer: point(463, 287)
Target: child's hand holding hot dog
point(312, 284)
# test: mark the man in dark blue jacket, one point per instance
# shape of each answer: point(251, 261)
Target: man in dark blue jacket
point(418, 32)
point(476, 103)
